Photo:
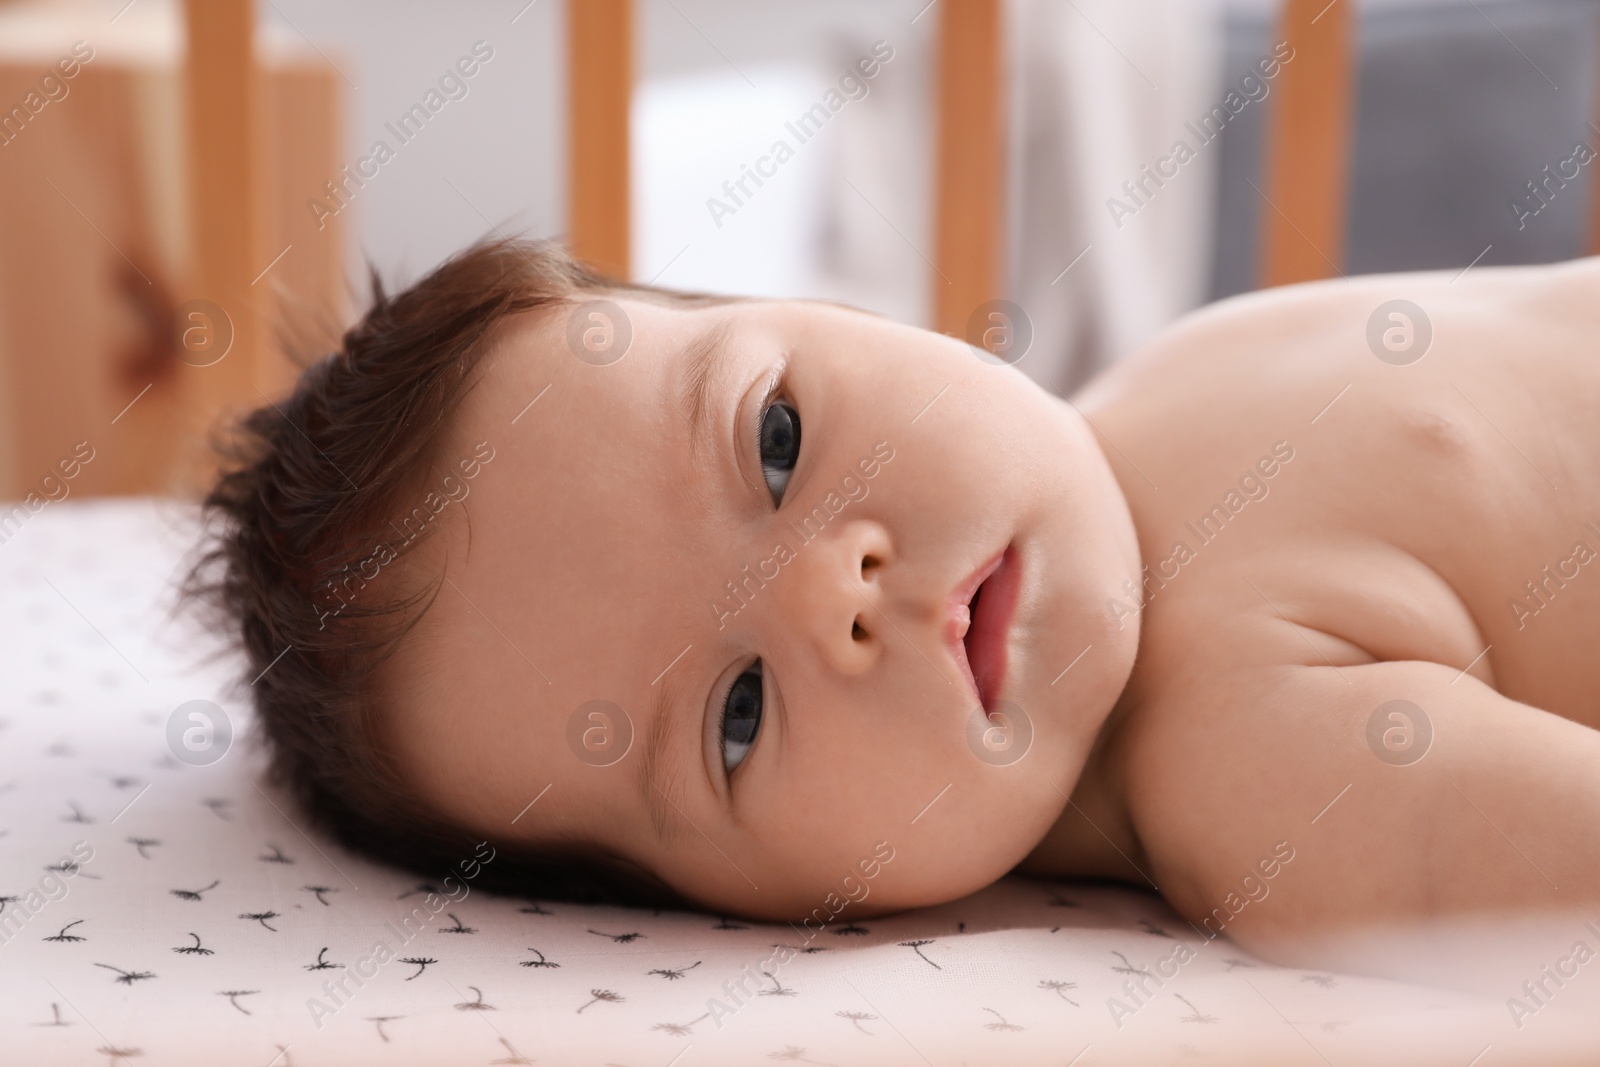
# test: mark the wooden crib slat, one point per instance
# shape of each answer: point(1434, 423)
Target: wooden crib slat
point(969, 178)
point(223, 97)
point(224, 171)
point(1308, 145)
point(600, 86)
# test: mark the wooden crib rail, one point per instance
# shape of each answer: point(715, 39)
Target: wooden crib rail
point(64, 323)
point(599, 88)
point(225, 164)
point(140, 236)
point(969, 169)
point(969, 165)
point(1308, 145)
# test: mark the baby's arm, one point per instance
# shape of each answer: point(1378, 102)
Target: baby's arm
point(1501, 814)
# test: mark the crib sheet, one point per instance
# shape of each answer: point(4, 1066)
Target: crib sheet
point(154, 912)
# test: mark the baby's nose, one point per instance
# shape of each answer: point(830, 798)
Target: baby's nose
point(833, 593)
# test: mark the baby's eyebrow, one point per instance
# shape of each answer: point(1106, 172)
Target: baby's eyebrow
point(661, 763)
point(705, 362)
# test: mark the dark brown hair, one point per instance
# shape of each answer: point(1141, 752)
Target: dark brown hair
point(306, 490)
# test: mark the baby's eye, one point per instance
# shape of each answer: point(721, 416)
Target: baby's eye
point(741, 717)
point(779, 446)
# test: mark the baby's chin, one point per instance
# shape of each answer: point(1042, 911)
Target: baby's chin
point(890, 897)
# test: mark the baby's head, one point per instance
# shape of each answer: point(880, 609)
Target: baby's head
point(664, 595)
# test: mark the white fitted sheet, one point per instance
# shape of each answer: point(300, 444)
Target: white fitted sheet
point(126, 969)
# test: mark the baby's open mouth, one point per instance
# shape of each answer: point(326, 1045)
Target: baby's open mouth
point(980, 621)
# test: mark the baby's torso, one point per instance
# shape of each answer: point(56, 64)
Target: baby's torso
point(1293, 452)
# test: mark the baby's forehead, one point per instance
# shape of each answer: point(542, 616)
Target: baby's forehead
point(576, 437)
point(560, 566)
point(576, 358)
point(587, 380)
point(622, 337)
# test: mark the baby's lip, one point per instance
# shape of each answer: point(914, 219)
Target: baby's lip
point(986, 639)
point(958, 618)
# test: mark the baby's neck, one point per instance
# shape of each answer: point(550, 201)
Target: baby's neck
point(1094, 836)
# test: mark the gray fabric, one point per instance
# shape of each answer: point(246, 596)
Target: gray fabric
point(1458, 107)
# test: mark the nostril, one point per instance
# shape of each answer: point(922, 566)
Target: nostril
point(869, 562)
point(857, 633)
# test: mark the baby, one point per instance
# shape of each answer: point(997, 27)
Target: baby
point(782, 609)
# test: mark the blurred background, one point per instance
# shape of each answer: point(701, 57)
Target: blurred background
point(185, 188)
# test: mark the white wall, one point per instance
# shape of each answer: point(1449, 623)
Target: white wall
point(494, 158)
point(490, 159)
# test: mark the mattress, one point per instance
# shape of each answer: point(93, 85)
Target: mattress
point(157, 909)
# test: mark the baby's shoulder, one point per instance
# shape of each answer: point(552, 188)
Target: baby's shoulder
point(1267, 343)
point(1224, 614)
point(1552, 291)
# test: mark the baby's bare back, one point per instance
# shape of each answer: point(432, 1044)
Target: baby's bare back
point(1369, 512)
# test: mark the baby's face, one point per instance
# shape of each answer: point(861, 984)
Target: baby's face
point(776, 631)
